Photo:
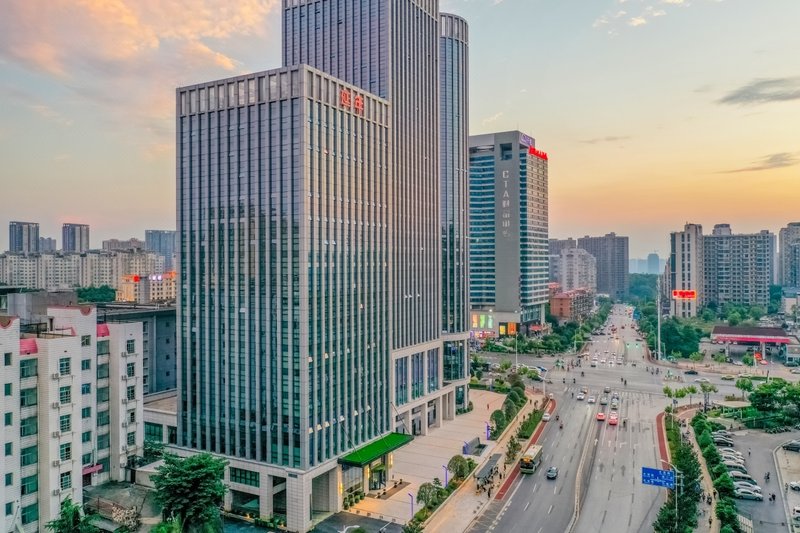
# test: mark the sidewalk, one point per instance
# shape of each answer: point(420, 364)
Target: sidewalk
point(467, 503)
point(787, 464)
point(705, 481)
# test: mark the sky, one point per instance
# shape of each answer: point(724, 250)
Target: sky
point(654, 113)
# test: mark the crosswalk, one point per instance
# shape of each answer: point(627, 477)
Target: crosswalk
point(597, 392)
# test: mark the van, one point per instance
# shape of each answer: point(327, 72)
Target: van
point(742, 476)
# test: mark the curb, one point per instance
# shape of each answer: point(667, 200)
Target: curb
point(789, 525)
point(576, 513)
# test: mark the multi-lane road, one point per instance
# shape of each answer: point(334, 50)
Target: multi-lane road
point(609, 458)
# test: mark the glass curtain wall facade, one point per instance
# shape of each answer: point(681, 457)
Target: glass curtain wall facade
point(283, 219)
point(454, 210)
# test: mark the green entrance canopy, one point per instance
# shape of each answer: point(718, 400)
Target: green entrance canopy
point(383, 445)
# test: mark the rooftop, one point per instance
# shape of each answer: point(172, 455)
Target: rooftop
point(748, 331)
point(162, 401)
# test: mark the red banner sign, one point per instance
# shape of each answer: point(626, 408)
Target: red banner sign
point(684, 294)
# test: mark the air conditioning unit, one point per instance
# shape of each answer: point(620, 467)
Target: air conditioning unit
point(124, 400)
point(124, 448)
point(124, 424)
point(123, 354)
point(56, 405)
point(56, 463)
point(56, 434)
point(56, 492)
point(56, 375)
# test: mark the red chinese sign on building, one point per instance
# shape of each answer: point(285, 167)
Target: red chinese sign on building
point(346, 99)
point(684, 294)
point(537, 153)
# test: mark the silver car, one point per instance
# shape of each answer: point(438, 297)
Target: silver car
point(738, 485)
point(744, 494)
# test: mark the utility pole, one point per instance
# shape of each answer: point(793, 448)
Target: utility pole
point(658, 317)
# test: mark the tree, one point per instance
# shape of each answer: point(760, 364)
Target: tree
point(458, 466)
point(426, 494)
point(505, 365)
point(748, 360)
point(72, 519)
point(707, 389)
point(691, 390)
point(696, 356)
point(191, 488)
point(103, 293)
point(498, 418)
point(744, 385)
point(512, 450)
point(413, 527)
point(734, 319)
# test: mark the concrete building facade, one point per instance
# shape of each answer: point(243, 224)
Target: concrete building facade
point(23, 237)
point(577, 269)
point(611, 253)
point(686, 269)
point(75, 238)
point(789, 255)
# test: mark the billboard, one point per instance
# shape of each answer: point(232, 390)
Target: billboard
point(684, 294)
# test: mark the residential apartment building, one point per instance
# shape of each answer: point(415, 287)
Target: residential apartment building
point(23, 237)
point(47, 245)
point(75, 238)
point(117, 245)
point(158, 349)
point(69, 421)
point(162, 242)
point(572, 305)
point(686, 268)
point(611, 253)
point(789, 255)
point(577, 269)
point(739, 268)
point(59, 271)
point(509, 265)
point(554, 248)
point(148, 289)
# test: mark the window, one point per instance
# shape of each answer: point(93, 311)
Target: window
point(153, 432)
point(64, 366)
point(102, 371)
point(131, 438)
point(28, 368)
point(8, 419)
point(102, 418)
point(86, 412)
point(86, 388)
point(65, 423)
point(9, 479)
point(245, 477)
point(86, 459)
point(28, 397)
point(29, 456)
point(105, 463)
point(65, 394)
point(103, 347)
point(103, 442)
point(9, 449)
point(86, 436)
point(30, 513)
point(172, 435)
point(86, 340)
point(132, 417)
point(7, 389)
point(102, 394)
point(29, 484)
point(131, 393)
point(9, 508)
point(66, 480)
point(131, 369)
point(130, 346)
point(86, 364)
point(65, 451)
point(7, 359)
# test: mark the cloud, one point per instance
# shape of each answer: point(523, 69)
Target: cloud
point(493, 118)
point(607, 139)
point(762, 91)
point(638, 14)
point(769, 162)
point(637, 21)
point(50, 114)
point(126, 56)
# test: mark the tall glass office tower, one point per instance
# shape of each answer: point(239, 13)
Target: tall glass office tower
point(508, 194)
point(454, 204)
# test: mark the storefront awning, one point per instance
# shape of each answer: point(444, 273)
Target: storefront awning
point(92, 469)
point(381, 446)
point(487, 469)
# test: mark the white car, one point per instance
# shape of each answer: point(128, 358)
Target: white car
point(546, 417)
point(580, 396)
point(794, 485)
point(742, 485)
point(745, 494)
point(591, 399)
point(602, 361)
point(702, 380)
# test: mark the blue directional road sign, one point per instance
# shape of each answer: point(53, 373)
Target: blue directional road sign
point(659, 478)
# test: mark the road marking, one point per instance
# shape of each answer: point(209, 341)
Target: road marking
point(535, 486)
point(550, 510)
point(526, 506)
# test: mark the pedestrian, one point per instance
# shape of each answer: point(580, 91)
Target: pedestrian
point(748, 452)
point(710, 521)
point(487, 406)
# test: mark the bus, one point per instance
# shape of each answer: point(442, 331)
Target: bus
point(531, 459)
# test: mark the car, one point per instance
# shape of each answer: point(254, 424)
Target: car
point(738, 363)
point(615, 395)
point(731, 466)
point(722, 433)
point(729, 459)
point(580, 396)
point(728, 377)
point(591, 399)
point(702, 380)
point(593, 364)
point(796, 371)
point(691, 372)
point(585, 390)
point(744, 494)
point(604, 400)
point(725, 454)
point(606, 389)
point(552, 472)
point(615, 404)
point(792, 446)
point(601, 416)
point(746, 486)
point(723, 442)
point(546, 417)
point(603, 361)
point(739, 476)
point(613, 420)
point(794, 485)
point(746, 375)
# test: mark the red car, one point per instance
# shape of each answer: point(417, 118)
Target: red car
point(601, 416)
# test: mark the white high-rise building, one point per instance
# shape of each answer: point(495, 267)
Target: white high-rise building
point(686, 267)
point(789, 255)
point(577, 269)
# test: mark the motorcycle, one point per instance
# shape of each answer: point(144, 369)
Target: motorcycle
point(582, 374)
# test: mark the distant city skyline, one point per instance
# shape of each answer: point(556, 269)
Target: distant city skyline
point(640, 139)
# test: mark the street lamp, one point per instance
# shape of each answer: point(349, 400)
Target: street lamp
point(677, 486)
point(445, 474)
point(411, 497)
point(348, 527)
